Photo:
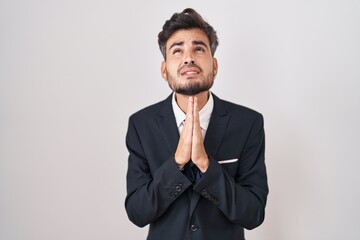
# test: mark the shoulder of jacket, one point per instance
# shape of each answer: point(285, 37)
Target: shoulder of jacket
point(237, 109)
point(148, 111)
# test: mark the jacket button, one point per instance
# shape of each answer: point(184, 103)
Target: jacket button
point(194, 228)
point(204, 191)
point(178, 188)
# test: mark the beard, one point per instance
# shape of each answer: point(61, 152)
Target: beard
point(193, 86)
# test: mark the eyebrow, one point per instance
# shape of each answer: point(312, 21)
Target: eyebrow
point(193, 43)
point(199, 43)
point(176, 44)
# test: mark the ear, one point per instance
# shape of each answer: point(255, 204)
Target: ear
point(163, 70)
point(215, 66)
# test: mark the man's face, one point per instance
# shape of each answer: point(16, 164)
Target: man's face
point(189, 67)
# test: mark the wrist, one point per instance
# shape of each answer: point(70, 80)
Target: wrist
point(204, 166)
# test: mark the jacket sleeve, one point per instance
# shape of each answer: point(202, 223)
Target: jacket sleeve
point(242, 199)
point(150, 191)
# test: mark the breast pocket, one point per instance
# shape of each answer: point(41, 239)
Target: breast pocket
point(228, 161)
point(230, 165)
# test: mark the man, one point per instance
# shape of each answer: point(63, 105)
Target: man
point(196, 165)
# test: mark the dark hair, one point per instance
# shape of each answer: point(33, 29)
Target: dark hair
point(187, 19)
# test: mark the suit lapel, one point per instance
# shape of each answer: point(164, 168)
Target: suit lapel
point(217, 126)
point(167, 124)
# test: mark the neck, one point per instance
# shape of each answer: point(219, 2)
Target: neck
point(182, 100)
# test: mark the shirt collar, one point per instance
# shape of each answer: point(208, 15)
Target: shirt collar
point(204, 114)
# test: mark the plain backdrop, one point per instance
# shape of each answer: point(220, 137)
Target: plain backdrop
point(73, 71)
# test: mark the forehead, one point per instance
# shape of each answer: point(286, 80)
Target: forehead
point(187, 36)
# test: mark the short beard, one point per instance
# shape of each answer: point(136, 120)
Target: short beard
point(193, 88)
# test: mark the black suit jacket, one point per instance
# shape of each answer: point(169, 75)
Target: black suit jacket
point(231, 194)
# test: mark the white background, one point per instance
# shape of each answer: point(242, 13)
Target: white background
point(71, 73)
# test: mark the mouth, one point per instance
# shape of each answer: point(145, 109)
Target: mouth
point(190, 72)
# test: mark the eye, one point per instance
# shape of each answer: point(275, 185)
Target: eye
point(176, 51)
point(199, 49)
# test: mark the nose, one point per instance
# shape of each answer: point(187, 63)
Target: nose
point(189, 59)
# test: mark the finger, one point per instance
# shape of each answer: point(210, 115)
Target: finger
point(189, 115)
point(196, 128)
point(190, 106)
point(196, 110)
point(187, 130)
